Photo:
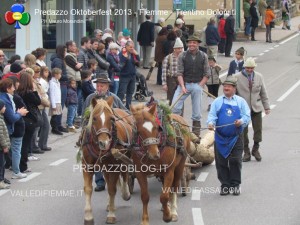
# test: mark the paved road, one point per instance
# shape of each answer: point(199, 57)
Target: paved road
point(52, 194)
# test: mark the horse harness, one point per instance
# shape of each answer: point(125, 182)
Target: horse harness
point(162, 139)
point(92, 143)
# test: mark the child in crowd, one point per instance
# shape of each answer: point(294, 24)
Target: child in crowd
point(115, 67)
point(55, 100)
point(71, 103)
point(213, 82)
point(237, 64)
point(44, 78)
point(87, 86)
point(92, 66)
point(4, 145)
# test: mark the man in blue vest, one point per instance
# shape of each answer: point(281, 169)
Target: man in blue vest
point(192, 75)
point(228, 115)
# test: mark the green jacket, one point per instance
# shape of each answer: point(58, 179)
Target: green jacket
point(246, 8)
point(4, 137)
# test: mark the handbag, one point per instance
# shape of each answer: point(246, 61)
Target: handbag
point(272, 24)
point(34, 117)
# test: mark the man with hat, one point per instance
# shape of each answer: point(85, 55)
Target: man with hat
point(102, 91)
point(169, 70)
point(228, 115)
point(251, 87)
point(192, 73)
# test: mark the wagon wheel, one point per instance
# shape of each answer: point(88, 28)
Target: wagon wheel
point(136, 96)
point(131, 182)
point(141, 98)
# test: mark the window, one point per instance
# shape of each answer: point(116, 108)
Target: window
point(184, 5)
point(7, 32)
point(49, 25)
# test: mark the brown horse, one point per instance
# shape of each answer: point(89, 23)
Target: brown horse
point(104, 131)
point(167, 164)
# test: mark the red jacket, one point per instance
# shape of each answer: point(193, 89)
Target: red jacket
point(10, 75)
point(221, 29)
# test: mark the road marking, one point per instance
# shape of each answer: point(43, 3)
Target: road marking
point(263, 114)
point(29, 177)
point(266, 50)
point(289, 91)
point(202, 177)
point(197, 216)
point(223, 74)
point(3, 192)
point(276, 46)
point(271, 48)
point(58, 162)
point(289, 39)
point(261, 54)
point(196, 195)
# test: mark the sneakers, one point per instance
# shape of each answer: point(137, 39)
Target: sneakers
point(72, 129)
point(18, 175)
point(33, 158)
point(4, 185)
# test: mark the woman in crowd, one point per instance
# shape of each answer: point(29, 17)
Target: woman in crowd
point(32, 120)
point(40, 54)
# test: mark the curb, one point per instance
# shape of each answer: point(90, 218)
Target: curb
point(288, 36)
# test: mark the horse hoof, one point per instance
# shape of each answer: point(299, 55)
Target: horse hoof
point(167, 219)
point(174, 218)
point(111, 220)
point(89, 222)
point(127, 198)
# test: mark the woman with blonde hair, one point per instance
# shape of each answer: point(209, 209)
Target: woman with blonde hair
point(29, 60)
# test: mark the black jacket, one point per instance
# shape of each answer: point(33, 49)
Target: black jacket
point(253, 13)
point(229, 25)
point(19, 127)
point(57, 62)
point(146, 34)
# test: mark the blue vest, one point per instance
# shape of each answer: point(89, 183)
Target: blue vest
point(227, 136)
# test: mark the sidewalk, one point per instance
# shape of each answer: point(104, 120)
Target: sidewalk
point(278, 35)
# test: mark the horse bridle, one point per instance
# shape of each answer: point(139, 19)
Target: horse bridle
point(105, 131)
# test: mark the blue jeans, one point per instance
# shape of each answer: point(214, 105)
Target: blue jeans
point(71, 114)
point(195, 90)
point(80, 100)
point(116, 87)
point(126, 86)
point(247, 27)
point(64, 91)
point(99, 179)
point(16, 145)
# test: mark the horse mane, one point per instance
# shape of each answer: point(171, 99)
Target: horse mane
point(100, 106)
